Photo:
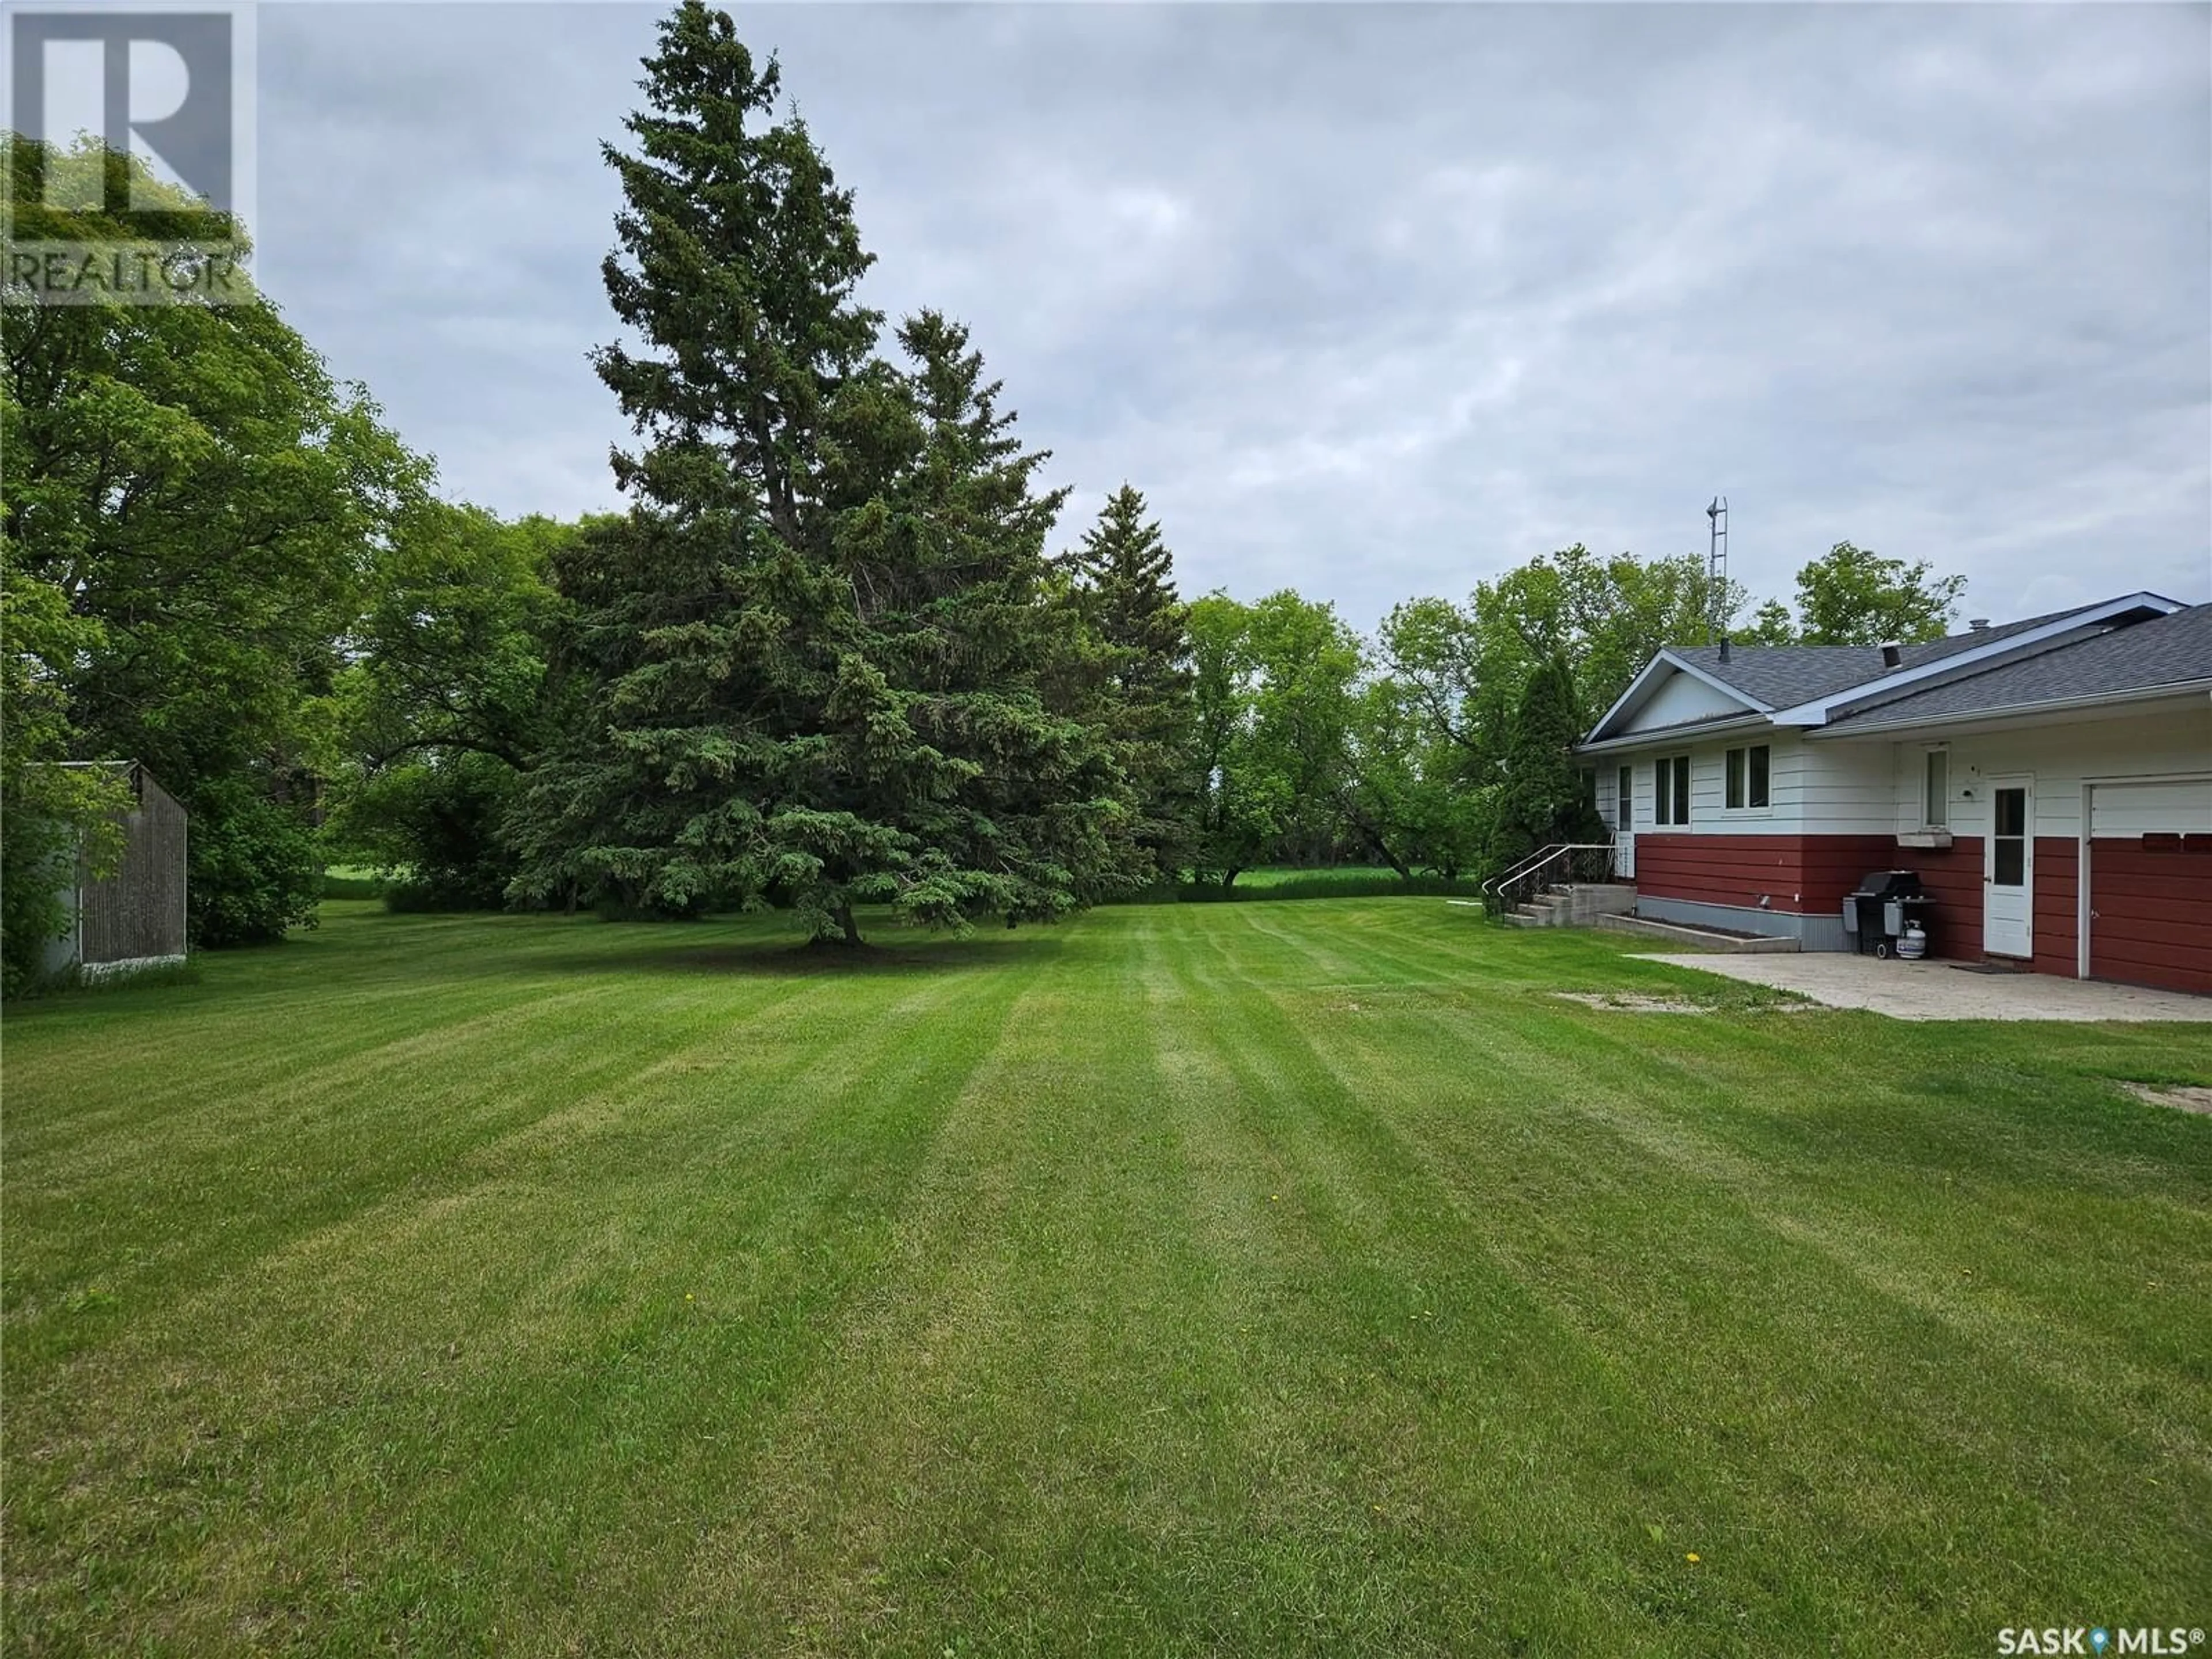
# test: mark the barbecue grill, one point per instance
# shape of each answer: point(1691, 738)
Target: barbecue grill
point(1886, 903)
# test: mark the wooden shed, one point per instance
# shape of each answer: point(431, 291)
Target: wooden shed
point(135, 918)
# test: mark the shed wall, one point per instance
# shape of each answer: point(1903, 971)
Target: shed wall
point(137, 914)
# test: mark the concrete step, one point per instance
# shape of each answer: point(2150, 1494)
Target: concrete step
point(1586, 902)
point(1703, 939)
point(1571, 904)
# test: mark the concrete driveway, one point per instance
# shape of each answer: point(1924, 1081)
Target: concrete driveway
point(1944, 990)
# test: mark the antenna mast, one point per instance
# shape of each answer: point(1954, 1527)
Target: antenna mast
point(1716, 569)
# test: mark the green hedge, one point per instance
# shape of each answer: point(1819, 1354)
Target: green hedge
point(1353, 881)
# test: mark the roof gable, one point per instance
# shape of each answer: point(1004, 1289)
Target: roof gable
point(1806, 686)
point(1644, 705)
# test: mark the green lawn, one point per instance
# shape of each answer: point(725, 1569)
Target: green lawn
point(1240, 1279)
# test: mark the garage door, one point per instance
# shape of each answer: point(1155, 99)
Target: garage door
point(2150, 883)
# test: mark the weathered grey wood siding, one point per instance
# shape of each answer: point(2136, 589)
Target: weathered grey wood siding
point(139, 911)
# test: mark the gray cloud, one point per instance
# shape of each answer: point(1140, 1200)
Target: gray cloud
point(1374, 302)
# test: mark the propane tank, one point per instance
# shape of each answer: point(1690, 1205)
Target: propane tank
point(1914, 945)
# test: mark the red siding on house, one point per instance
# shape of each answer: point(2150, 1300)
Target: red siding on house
point(1953, 877)
point(2151, 907)
point(1829, 866)
point(1720, 869)
point(1807, 874)
point(2152, 895)
point(2056, 946)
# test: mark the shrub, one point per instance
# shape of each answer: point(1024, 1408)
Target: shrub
point(255, 866)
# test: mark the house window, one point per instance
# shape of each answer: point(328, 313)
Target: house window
point(1624, 816)
point(1670, 790)
point(1747, 784)
point(1936, 790)
point(2008, 859)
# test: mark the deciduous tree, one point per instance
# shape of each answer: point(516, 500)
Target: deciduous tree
point(1243, 800)
point(210, 505)
point(1850, 595)
point(1306, 662)
point(1412, 796)
point(54, 814)
point(441, 708)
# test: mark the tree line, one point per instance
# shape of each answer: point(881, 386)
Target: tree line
point(826, 658)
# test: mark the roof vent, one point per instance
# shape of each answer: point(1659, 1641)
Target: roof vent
point(1978, 624)
point(1725, 642)
point(1892, 653)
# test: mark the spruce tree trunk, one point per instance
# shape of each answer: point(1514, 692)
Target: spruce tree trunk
point(844, 915)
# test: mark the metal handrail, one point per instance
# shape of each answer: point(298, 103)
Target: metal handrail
point(1541, 855)
point(1525, 873)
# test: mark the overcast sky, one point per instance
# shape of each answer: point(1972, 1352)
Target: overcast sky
point(1372, 301)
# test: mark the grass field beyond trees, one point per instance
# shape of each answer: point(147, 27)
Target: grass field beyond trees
point(1242, 1278)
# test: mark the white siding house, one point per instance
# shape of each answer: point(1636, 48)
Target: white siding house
point(2049, 781)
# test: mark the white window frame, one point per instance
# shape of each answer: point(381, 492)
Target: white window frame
point(1928, 756)
point(1664, 792)
point(1740, 757)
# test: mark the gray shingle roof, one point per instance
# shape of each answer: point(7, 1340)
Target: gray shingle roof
point(1781, 676)
point(2173, 650)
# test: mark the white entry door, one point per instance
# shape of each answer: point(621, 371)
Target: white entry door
point(1624, 823)
point(2008, 869)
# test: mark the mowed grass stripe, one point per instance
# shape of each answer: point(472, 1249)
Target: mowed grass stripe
point(1089, 1357)
point(1534, 1195)
point(1769, 1277)
point(235, 1171)
point(1569, 1081)
point(1705, 1114)
point(1376, 1339)
point(673, 1394)
point(1189, 1279)
point(1013, 1380)
point(345, 1362)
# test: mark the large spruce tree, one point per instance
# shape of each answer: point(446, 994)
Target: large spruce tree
point(1123, 578)
point(809, 666)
